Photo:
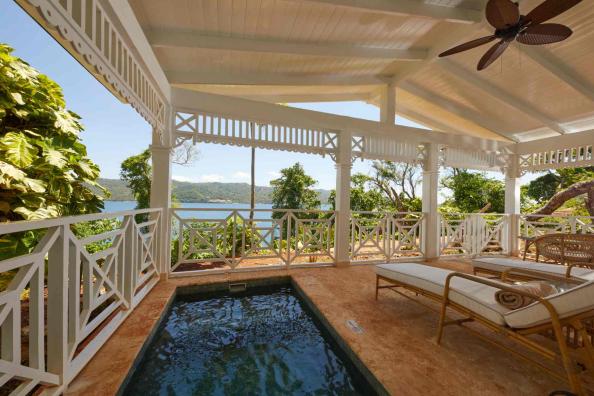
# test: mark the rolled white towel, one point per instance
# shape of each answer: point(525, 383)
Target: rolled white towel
point(512, 300)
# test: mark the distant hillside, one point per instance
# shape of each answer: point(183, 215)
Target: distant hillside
point(202, 192)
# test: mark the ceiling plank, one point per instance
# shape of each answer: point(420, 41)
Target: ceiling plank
point(560, 70)
point(494, 91)
point(219, 77)
point(184, 39)
point(409, 8)
point(449, 106)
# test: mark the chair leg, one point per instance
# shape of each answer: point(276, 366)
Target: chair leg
point(376, 286)
point(442, 317)
point(588, 349)
point(568, 364)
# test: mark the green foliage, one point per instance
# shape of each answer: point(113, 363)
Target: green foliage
point(540, 190)
point(390, 187)
point(363, 198)
point(96, 227)
point(136, 172)
point(544, 187)
point(571, 176)
point(293, 190)
point(472, 191)
point(44, 168)
point(225, 244)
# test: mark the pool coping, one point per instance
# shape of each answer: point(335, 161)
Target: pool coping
point(222, 286)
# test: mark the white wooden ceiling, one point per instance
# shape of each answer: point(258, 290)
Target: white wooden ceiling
point(336, 50)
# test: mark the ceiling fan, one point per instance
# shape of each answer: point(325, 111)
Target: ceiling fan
point(510, 25)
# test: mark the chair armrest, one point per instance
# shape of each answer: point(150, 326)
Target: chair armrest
point(539, 275)
point(487, 282)
point(552, 311)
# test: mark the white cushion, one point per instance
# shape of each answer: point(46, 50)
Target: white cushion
point(500, 264)
point(477, 297)
point(573, 301)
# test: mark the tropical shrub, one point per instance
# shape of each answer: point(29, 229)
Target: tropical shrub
point(44, 168)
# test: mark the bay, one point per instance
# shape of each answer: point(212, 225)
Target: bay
point(211, 213)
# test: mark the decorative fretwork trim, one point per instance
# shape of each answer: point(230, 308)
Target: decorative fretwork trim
point(89, 29)
point(212, 128)
point(554, 159)
point(386, 148)
point(458, 158)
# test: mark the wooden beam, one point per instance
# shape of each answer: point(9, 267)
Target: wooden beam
point(303, 97)
point(559, 69)
point(184, 39)
point(427, 121)
point(221, 77)
point(449, 106)
point(409, 8)
point(494, 91)
point(570, 140)
point(189, 101)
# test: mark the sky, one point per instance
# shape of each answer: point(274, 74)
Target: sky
point(114, 131)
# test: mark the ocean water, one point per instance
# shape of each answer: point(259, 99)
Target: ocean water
point(115, 206)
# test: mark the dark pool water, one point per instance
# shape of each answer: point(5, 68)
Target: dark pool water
point(257, 343)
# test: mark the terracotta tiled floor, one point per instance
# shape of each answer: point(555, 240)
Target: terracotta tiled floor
point(397, 344)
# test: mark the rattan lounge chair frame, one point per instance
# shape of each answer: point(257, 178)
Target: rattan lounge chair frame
point(556, 324)
point(557, 246)
point(545, 275)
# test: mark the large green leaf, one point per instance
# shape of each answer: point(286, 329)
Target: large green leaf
point(17, 149)
point(38, 214)
point(66, 122)
point(34, 185)
point(11, 177)
point(54, 157)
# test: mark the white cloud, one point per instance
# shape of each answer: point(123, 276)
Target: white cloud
point(211, 178)
point(243, 176)
point(274, 175)
point(182, 178)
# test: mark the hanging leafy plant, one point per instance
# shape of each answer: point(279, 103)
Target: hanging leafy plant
point(44, 168)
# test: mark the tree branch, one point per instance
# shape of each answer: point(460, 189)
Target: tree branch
point(561, 197)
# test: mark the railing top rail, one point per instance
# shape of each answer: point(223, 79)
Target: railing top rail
point(562, 216)
point(197, 209)
point(383, 212)
point(28, 225)
point(474, 214)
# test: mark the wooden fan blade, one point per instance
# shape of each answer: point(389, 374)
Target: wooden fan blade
point(544, 33)
point(502, 14)
point(549, 9)
point(469, 45)
point(492, 54)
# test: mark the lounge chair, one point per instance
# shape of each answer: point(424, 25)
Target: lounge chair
point(498, 265)
point(566, 248)
point(560, 315)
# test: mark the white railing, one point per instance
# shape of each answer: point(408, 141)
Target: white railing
point(473, 233)
point(537, 225)
point(383, 236)
point(68, 283)
point(208, 238)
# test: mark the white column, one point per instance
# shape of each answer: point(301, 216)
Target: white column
point(343, 199)
point(430, 189)
point(161, 198)
point(388, 104)
point(512, 204)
